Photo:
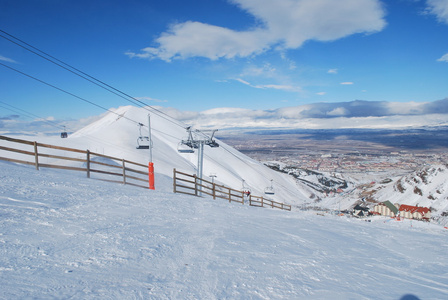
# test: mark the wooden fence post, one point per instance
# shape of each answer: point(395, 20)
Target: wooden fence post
point(174, 180)
point(214, 191)
point(124, 171)
point(36, 156)
point(88, 164)
point(262, 203)
point(195, 185)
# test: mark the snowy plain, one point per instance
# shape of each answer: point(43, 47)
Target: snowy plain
point(63, 236)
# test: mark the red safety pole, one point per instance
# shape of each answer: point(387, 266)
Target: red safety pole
point(151, 175)
point(150, 164)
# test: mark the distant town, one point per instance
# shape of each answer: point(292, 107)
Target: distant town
point(343, 153)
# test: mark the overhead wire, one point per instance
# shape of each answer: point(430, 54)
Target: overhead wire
point(91, 79)
point(64, 91)
point(80, 98)
point(87, 77)
point(97, 82)
point(54, 124)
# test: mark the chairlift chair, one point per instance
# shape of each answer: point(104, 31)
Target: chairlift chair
point(143, 142)
point(188, 145)
point(212, 143)
point(184, 148)
point(64, 134)
point(270, 189)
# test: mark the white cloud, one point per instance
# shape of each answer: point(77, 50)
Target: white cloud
point(332, 71)
point(321, 93)
point(347, 83)
point(339, 111)
point(267, 70)
point(192, 39)
point(438, 8)
point(282, 25)
point(292, 22)
point(444, 58)
point(289, 88)
point(373, 114)
point(367, 114)
point(243, 81)
point(3, 58)
point(405, 108)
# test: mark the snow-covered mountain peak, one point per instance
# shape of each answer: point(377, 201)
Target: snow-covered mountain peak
point(116, 134)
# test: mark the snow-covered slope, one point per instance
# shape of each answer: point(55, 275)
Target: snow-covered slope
point(63, 236)
point(115, 135)
point(426, 187)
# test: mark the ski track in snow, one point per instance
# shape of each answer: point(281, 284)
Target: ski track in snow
point(67, 237)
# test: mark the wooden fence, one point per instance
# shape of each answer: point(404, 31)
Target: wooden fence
point(84, 160)
point(192, 185)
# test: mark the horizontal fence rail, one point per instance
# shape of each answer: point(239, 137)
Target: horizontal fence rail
point(109, 167)
point(192, 185)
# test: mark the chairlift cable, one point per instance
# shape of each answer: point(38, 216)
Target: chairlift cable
point(92, 79)
point(86, 76)
point(27, 114)
point(80, 98)
point(66, 92)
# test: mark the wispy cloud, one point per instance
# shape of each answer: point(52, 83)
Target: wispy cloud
point(281, 25)
point(266, 70)
point(289, 88)
point(439, 8)
point(3, 58)
point(444, 58)
point(347, 83)
point(332, 71)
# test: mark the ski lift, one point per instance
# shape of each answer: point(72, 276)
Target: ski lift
point(64, 134)
point(143, 142)
point(270, 189)
point(211, 142)
point(183, 148)
point(188, 145)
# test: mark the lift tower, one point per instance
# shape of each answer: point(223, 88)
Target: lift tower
point(197, 142)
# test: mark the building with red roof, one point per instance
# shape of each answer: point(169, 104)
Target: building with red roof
point(415, 212)
point(386, 208)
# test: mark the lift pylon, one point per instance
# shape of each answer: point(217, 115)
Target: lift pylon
point(192, 142)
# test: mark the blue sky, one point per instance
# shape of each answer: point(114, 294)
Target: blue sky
point(204, 54)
